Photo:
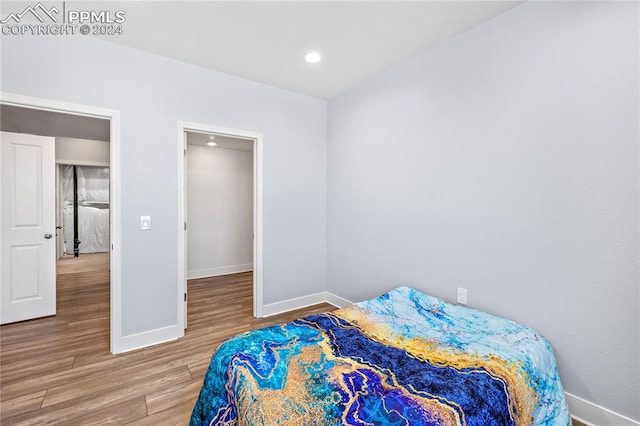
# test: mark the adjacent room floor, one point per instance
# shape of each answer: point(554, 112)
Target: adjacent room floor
point(58, 370)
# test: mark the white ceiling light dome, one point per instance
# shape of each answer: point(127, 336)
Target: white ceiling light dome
point(312, 57)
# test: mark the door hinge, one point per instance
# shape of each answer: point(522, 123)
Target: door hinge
point(185, 297)
point(185, 225)
point(185, 153)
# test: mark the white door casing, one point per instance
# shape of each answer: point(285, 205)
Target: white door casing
point(183, 128)
point(186, 234)
point(27, 227)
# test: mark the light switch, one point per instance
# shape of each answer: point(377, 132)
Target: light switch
point(145, 223)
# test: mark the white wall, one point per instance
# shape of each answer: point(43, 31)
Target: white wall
point(505, 161)
point(82, 151)
point(152, 94)
point(219, 211)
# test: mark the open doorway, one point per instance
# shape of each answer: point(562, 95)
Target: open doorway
point(82, 175)
point(83, 196)
point(82, 208)
point(77, 127)
point(221, 206)
point(83, 234)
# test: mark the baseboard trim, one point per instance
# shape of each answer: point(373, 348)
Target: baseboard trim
point(149, 338)
point(594, 415)
point(221, 270)
point(304, 301)
point(292, 304)
point(337, 301)
point(167, 334)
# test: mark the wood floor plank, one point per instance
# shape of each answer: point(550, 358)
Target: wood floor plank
point(92, 402)
point(175, 395)
point(34, 367)
point(23, 404)
point(58, 370)
point(114, 378)
point(98, 358)
point(84, 263)
point(118, 414)
point(199, 369)
point(175, 416)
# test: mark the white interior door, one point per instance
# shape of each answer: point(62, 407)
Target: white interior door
point(27, 227)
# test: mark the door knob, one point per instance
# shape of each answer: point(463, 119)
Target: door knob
point(47, 236)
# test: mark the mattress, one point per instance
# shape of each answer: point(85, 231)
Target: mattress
point(404, 358)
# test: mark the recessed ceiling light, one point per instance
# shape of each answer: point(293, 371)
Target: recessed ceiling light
point(211, 142)
point(312, 57)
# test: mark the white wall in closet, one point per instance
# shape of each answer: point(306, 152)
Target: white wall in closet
point(219, 211)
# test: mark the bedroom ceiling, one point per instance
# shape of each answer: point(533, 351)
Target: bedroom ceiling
point(266, 41)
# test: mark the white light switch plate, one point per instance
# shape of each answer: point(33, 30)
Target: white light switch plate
point(145, 223)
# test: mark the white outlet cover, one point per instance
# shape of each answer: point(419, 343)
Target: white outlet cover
point(462, 296)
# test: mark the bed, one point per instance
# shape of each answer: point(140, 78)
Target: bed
point(404, 358)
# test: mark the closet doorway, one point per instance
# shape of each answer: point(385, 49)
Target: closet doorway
point(221, 212)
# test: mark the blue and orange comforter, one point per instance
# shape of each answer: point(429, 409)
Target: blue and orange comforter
point(404, 358)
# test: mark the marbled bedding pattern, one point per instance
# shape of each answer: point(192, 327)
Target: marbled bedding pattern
point(404, 358)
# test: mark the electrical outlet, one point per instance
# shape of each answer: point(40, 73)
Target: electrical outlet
point(462, 296)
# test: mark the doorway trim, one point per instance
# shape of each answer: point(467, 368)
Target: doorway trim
point(185, 126)
point(113, 116)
